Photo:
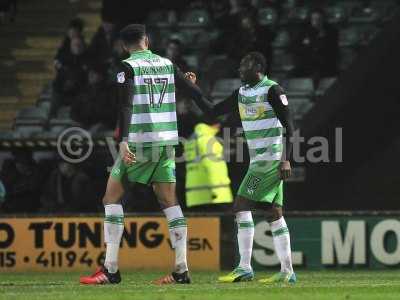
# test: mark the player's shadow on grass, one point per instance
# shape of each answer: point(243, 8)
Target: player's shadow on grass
point(9, 284)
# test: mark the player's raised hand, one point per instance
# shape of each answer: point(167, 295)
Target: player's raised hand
point(285, 170)
point(126, 154)
point(191, 76)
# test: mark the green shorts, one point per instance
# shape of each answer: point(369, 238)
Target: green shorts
point(153, 164)
point(262, 183)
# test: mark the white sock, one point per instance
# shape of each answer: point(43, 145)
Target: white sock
point(178, 235)
point(281, 237)
point(245, 237)
point(113, 229)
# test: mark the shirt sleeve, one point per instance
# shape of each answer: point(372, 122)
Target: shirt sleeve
point(192, 91)
point(278, 100)
point(226, 106)
point(124, 83)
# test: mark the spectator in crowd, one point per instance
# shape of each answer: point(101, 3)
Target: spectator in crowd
point(8, 10)
point(174, 53)
point(250, 36)
point(101, 46)
point(68, 189)
point(75, 29)
point(316, 49)
point(71, 75)
point(228, 15)
point(22, 181)
point(95, 105)
point(124, 12)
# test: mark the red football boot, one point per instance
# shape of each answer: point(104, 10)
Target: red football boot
point(101, 276)
point(180, 278)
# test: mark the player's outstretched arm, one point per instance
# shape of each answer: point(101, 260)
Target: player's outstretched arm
point(192, 91)
point(187, 82)
point(278, 101)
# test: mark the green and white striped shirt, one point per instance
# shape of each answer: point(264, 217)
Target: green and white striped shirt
point(262, 128)
point(153, 121)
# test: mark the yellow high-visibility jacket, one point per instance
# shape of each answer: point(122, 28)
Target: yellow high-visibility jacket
point(207, 180)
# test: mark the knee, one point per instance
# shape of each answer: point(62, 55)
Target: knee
point(274, 213)
point(107, 200)
point(166, 202)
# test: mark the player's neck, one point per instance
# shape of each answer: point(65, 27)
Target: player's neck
point(137, 49)
point(257, 79)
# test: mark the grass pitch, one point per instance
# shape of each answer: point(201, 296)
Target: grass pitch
point(136, 285)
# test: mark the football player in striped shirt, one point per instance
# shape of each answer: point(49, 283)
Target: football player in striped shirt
point(265, 115)
point(148, 125)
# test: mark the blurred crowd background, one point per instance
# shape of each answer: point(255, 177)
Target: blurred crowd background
point(307, 45)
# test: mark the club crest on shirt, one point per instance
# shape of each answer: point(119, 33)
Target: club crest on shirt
point(121, 77)
point(260, 98)
point(252, 184)
point(284, 99)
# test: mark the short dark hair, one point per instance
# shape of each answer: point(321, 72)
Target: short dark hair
point(133, 33)
point(259, 59)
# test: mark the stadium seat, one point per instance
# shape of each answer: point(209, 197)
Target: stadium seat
point(299, 87)
point(197, 38)
point(386, 8)
point(336, 14)
point(45, 105)
point(300, 15)
point(225, 87)
point(267, 16)
point(57, 125)
point(195, 18)
point(217, 67)
point(192, 61)
point(364, 15)
point(350, 6)
point(158, 38)
point(6, 135)
point(324, 84)
point(64, 112)
point(282, 62)
point(32, 116)
point(159, 18)
point(349, 37)
point(299, 106)
point(282, 39)
point(28, 131)
point(46, 93)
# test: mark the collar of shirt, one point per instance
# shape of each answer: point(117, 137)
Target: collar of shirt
point(140, 54)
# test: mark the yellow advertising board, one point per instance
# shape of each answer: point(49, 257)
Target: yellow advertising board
point(76, 244)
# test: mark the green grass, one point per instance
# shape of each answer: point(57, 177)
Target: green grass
point(136, 285)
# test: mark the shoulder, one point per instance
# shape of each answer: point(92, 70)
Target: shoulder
point(277, 94)
point(166, 60)
point(124, 72)
point(275, 88)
